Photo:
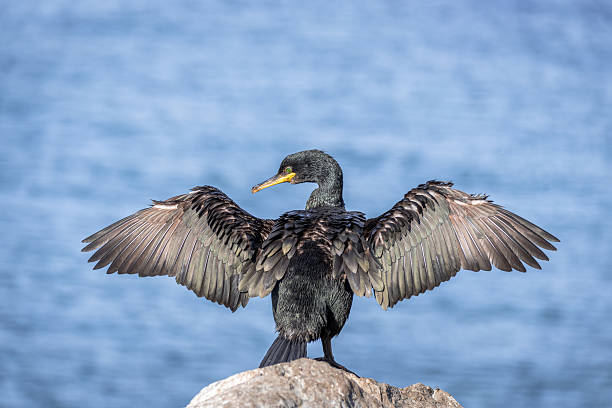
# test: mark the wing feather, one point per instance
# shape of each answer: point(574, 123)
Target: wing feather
point(518, 243)
point(151, 248)
point(398, 273)
point(112, 243)
point(436, 230)
point(202, 238)
point(485, 241)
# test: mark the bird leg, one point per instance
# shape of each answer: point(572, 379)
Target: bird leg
point(329, 357)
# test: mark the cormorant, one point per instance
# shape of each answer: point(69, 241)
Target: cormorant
point(312, 261)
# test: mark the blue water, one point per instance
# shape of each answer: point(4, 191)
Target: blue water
point(104, 105)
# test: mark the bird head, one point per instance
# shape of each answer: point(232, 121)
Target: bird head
point(312, 166)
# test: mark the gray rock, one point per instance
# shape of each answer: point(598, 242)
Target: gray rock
point(310, 383)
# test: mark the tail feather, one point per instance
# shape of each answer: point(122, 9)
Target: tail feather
point(283, 350)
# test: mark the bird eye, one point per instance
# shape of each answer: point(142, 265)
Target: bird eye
point(288, 170)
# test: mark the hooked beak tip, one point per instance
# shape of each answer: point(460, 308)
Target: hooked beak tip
point(277, 179)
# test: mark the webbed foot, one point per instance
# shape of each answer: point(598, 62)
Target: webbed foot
point(334, 364)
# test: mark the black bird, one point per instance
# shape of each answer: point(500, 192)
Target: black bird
point(312, 261)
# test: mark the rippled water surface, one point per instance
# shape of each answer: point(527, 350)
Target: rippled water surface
point(104, 105)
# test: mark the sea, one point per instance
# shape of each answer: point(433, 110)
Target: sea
point(105, 105)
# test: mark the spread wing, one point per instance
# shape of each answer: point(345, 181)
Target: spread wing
point(202, 238)
point(435, 231)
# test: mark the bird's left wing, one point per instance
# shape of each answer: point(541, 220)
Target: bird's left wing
point(436, 230)
point(202, 238)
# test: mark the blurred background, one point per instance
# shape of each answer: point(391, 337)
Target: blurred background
point(104, 105)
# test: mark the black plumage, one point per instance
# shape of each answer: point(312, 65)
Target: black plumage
point(312, 261)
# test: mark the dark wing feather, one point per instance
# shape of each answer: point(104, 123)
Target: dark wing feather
point(435, 231)
point(203, 239)
point(276, 253)
point(329, 235)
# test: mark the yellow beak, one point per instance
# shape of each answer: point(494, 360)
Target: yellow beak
point(279, 178)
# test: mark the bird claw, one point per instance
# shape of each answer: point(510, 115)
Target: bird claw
point(335, 365)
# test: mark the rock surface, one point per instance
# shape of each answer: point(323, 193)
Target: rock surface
point(310, 383)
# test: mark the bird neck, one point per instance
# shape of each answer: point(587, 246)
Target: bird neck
point(329, 194)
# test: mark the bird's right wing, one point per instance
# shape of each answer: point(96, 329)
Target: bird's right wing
point(436, 230)
point(202, 238)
